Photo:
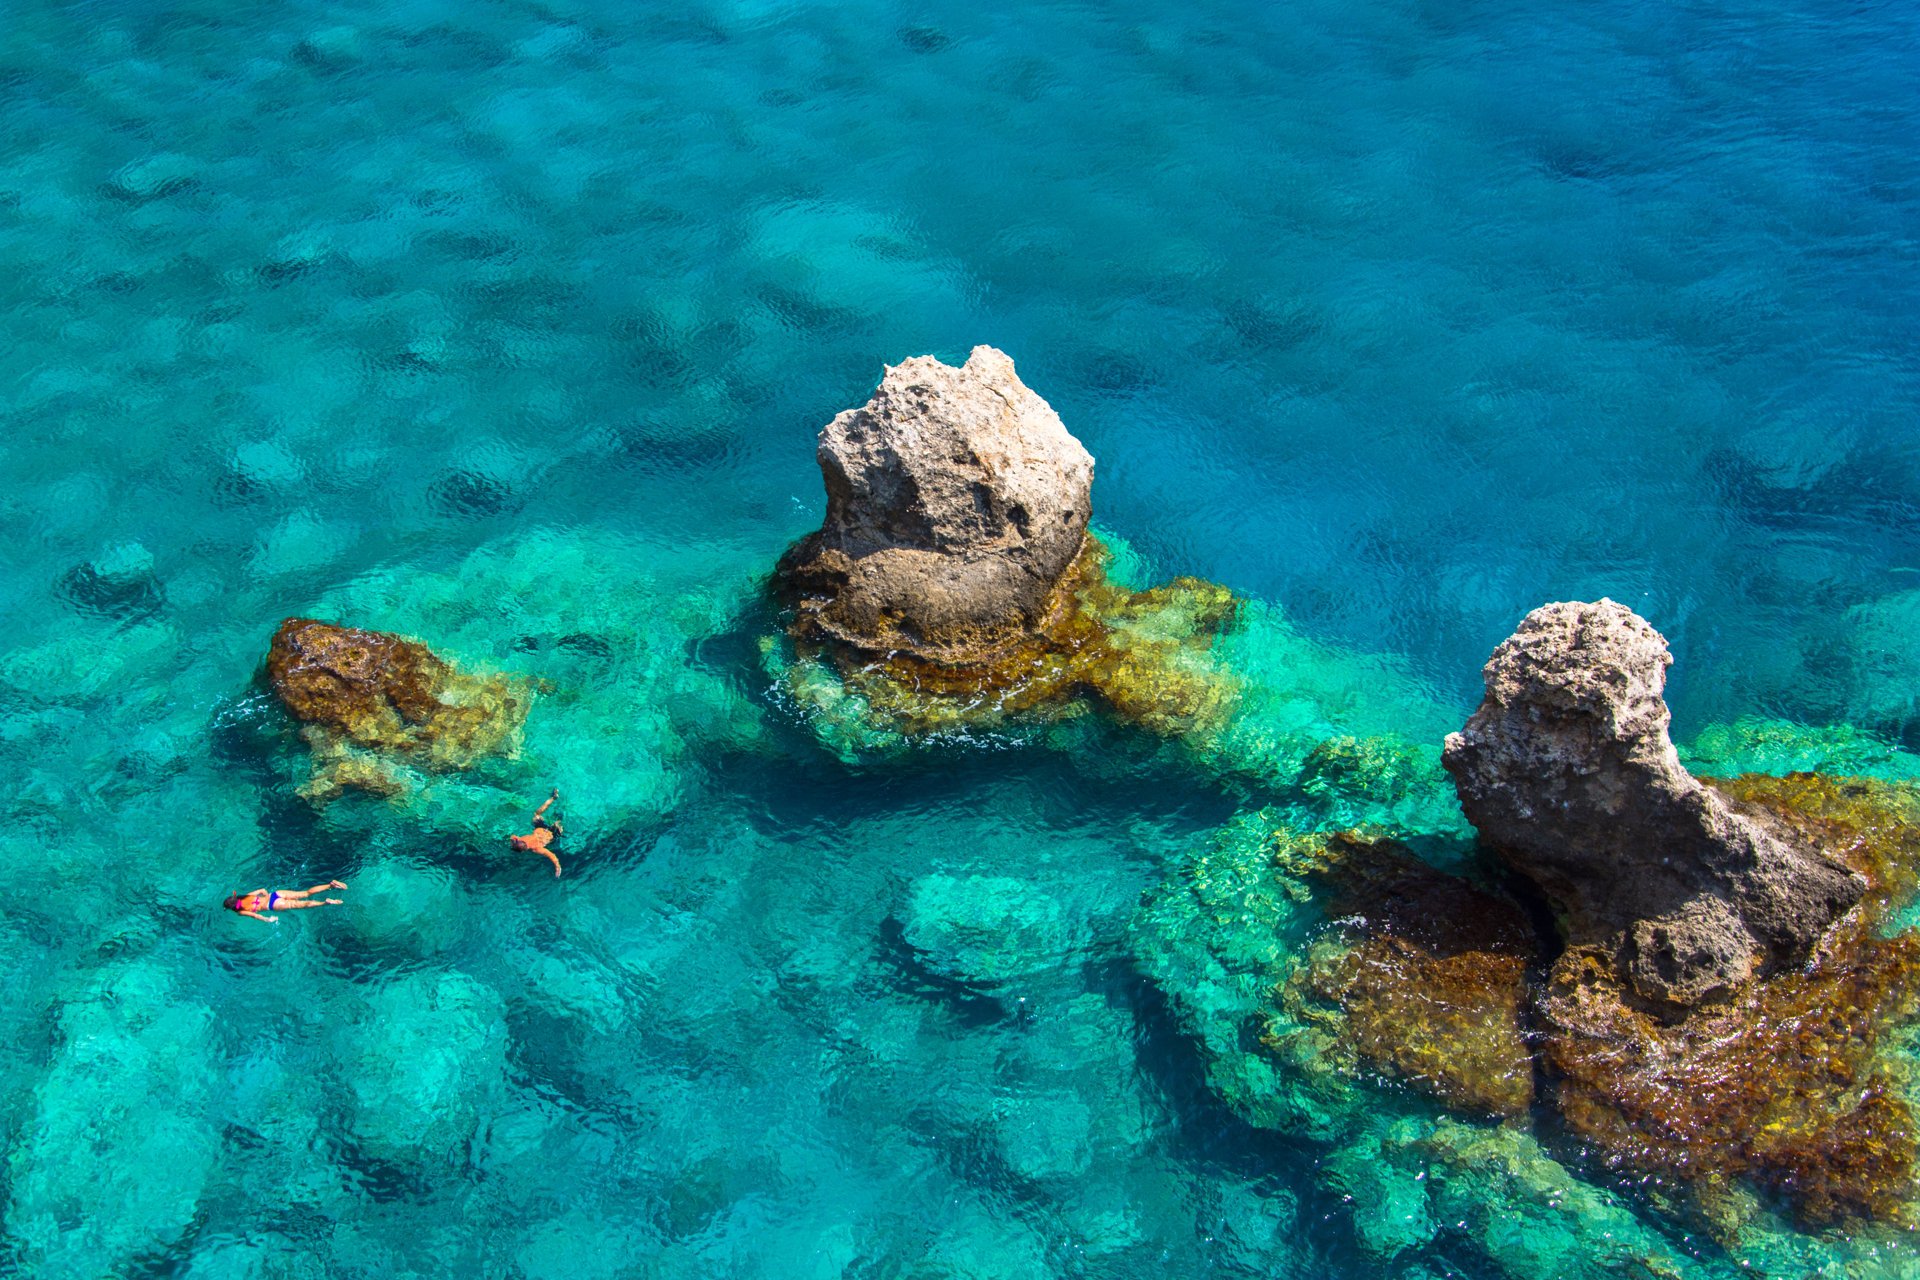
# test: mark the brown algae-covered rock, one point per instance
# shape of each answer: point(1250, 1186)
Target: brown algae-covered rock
point(1790, 1083)
point(1428, 974)
point(390, 694)
point(953, 581)
point(339, 768)
point(1567, 772)
point(1143, 653)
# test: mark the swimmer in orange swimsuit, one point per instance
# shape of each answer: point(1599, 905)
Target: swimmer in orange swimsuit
point(537, 840)
point(260, 901)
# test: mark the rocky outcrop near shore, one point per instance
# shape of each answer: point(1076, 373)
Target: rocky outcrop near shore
point(953, 582)
point(1568, 773)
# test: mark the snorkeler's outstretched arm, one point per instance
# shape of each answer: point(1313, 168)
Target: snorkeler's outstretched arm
point(255, 915)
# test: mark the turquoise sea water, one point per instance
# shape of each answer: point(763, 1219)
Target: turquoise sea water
point(510, 325)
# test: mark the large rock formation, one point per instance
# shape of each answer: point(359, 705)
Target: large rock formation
point(1300, 961)
point(956, 500)
point(954, 583)
point(1568, 773)
point(1798, 1081)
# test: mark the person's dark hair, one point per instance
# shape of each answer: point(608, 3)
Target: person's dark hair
point(232, 903)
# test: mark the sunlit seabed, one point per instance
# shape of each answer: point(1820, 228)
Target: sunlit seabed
point(509, 326)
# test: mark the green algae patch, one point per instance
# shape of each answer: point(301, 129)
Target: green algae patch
point(1284, 1036)
point(1755, 744)
point(1791, 1083)
point(390, 694)
point(1344, 956)
point(1525, 1210)
point(1144, 655)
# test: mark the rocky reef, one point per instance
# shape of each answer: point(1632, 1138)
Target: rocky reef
point(1330, 977)
point(1568, 773)
point(954, 583)
point(1250, 938)
point(369, 691)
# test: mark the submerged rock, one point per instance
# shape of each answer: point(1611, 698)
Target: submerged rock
point(390, 694)
point(1567, 771)
point(118, 585)
point(125, 1114)
point(954, 582)
point(1230, 937)
point(424, 1061)
point(987, 930)
point(1427, 975)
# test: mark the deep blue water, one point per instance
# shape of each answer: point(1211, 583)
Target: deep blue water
point(507, 323)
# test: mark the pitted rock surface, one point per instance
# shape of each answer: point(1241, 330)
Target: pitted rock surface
point(956, 501)
point(1567, 771)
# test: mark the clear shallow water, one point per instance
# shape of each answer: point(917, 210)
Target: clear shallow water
point(508, 325)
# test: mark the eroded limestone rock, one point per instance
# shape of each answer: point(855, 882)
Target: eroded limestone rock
point(387, 693)
point(956, 499)
point(1568, 773)
point(1790, 1083)
point(954, 583)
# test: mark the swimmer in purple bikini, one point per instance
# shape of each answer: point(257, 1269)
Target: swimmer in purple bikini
point(261, 901)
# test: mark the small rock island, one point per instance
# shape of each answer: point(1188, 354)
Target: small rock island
point(954, 582)
point(1569, 775)
point(1723, 992)
point(956, 503)
point(1709, 982)
point(357, 692)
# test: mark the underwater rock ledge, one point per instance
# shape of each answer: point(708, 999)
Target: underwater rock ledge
point(953, 582)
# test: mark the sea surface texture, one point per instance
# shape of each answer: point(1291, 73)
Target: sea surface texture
point(509, 325)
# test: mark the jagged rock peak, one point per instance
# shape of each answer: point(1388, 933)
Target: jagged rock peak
point(1567, 771)
point(956, 501)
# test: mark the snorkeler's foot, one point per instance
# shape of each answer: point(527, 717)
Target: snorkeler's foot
point(336, 884)
point(333, 902)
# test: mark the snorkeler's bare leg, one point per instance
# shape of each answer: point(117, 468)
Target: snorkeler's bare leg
point(545, 804)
